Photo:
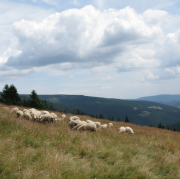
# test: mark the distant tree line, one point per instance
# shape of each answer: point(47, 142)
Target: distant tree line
point(10, 96)
point(161, 126)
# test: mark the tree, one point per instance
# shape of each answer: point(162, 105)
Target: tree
point(101, 116)
point(78, 112)
point(118, 119)
point(127, 119)
point(34, 101)
point(174, 129)
point(112, 119)
point(10, 95)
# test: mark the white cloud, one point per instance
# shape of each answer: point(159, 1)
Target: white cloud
point(106, 87)
point(90, 38)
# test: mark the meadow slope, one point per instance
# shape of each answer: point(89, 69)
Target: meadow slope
point(34, 150)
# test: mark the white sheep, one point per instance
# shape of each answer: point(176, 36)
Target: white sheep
point(89, 121)
point(19, 113)
point(98, 124)
point(14, 110)
point(74, 118)
point(35, 114)
point(73, 123)
point(129, 130)
point(126, 129)
point(27, 115)
point(54, 115)
point(122, 129)
point(78, 124)
point(46, 117)
point(44, 112)
point(88, 126)
point(103, 126)
point(63, 116)
point(110, 125)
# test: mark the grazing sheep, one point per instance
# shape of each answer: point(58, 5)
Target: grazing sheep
point(73, 123)
point(6, 108)
point(88, 126)
point(44, 112)
point(79, 124)
point(46, 117)
point(27, 115)
point(35, 114)
point(19, 113)
point(98, 124)
point(126, 129)
point(74, 118)
point(129, 130)
point(110, 125)
point(26, 110)
point(122, 129)
point(89, 121)
point(103, 126)
point(54, 115)
point(14, 110)
point(63, 116)
point(58, 119)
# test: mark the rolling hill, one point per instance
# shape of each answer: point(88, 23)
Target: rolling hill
point(139, 112)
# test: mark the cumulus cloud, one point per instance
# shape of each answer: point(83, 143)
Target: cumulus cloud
point(90, 38)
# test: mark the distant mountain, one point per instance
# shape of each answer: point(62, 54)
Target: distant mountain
point(139, 112)
point(172, 100)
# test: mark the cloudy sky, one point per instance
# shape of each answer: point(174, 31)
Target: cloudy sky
point(113, 49)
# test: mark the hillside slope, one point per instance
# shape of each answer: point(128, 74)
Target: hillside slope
point(139, 112)
point(34, 150)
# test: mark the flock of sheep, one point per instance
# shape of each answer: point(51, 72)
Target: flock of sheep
point(75, 123)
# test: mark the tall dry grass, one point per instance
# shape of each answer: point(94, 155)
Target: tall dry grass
point(34, 150)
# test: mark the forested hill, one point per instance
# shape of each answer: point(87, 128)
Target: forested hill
point(138, 112)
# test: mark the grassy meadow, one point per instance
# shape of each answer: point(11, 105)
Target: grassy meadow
point(35, 150)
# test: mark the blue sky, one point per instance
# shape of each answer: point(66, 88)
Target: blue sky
point(114, 49)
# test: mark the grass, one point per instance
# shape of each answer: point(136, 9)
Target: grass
point(33, 150)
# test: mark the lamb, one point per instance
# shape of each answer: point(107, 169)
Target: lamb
point(46, 117)
point(103, 126)
point(63, 116)
point(27, 115)
point(14, 110)
point(126, 129)
point(19, 113)
point(110, 125)
point(88, 126)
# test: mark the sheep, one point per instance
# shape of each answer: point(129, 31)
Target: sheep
point(19, 113)
point(54, 115)
point(35, 114)
point(110, 125)
point(26, 110)
point(103, 126)
point(122, 129)
point(80, 123)
point(46, 117)
point(74, 118)
point(129, 130)
point(88, 126)
point(126, 129)
point(6, 108)
point(63, 116)
point(89, 121)
point(44, 112)
point(98, 124)
point(27, 115)
point(14, 110)
point(73, 123)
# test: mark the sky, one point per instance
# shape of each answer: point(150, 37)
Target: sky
point(112, 49)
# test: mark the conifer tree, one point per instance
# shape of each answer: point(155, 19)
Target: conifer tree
point(10, 95)
point(101, 116)
point(127, 119)
point(118, 119)
point(34, 101)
